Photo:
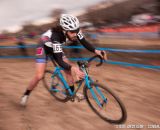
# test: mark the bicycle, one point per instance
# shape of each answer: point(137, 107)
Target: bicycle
point(98, 96)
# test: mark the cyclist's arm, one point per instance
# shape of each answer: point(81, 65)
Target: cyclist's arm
point(59, 59)
point(57, 54)
point(90, 47)
point(85, 43)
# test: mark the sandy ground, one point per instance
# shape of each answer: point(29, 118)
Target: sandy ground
point(138, 89)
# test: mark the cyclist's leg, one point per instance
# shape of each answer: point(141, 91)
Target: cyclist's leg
point(41, 61)
point(70, 79)
point(39, 73)
point(68, 74)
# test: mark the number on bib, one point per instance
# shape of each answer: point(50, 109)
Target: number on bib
point(57, 48)
point(80, 36)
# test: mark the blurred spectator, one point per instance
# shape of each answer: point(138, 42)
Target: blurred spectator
point(3, 37)
point(32, 35)
point(159, 32)
point(21, 43)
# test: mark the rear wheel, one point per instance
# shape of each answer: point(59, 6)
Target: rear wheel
point(55, 86)
point(108, 107)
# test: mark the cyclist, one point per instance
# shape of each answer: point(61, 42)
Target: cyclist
point(51, 46)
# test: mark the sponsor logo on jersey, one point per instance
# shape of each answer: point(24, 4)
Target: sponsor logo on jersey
point(39, 51)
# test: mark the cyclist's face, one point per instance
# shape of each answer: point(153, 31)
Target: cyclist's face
point(72, 35)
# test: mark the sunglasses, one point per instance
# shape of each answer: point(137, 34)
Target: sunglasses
point(74, 31)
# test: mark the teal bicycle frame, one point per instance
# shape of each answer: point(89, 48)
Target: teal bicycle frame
point(87, 80)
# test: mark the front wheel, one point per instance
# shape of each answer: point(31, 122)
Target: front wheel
point(55, 86)
point(105, 103)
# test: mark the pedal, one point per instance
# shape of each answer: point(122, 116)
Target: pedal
point(72, 99)
point(79, 99)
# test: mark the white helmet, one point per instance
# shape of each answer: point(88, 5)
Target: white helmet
point(69, 22)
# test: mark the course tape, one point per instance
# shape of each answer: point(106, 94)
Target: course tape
point(18, 46)
point(117, 50)
point(81, 47)
point(85, 59)
point(121, 63)
point(17, 57)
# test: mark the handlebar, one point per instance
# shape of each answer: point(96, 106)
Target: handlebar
point(94, 57)
point(97, 56)
point(80, 63)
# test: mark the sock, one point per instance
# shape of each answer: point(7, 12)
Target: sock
point(72, 88)
point(27, 92)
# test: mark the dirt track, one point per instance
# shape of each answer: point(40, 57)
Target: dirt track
point(137, 88)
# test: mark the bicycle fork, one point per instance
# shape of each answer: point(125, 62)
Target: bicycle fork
point(100, 104)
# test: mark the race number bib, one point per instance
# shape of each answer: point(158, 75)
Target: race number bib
point(80, 35)
point(57, 48)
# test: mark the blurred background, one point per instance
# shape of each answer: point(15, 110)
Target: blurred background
point(106, 23)
point(114, 24)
